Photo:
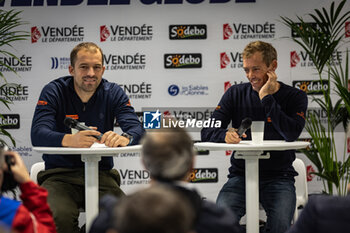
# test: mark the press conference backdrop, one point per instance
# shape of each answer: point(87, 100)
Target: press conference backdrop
point(175, 55)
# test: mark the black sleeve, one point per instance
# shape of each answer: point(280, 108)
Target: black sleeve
point(44, 130)
point(222, 113)
point(127, 118)
point(288, 123)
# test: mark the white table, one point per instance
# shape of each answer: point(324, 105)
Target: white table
point(251, 153)
point(90, 157)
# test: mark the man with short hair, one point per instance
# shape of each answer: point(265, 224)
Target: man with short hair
point(282, 108)
point(89, 98)
point(157, 209)
point(169, 157)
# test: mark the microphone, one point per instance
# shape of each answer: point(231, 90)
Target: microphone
point(245, 124)
point(72, 123)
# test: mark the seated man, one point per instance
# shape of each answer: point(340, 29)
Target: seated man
point(154, 210)
point(282, 108)
point(89, 98)
point(33, 214)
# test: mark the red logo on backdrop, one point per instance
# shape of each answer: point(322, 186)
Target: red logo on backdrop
point(167, 114)
point(228, 152)
point(348, 144)
point(309, 176)
point(104, 33)
point(294, 59)
point(227, 31)
point(347, 29)
point(224, 60)
point(227, 86)
point(35, 34)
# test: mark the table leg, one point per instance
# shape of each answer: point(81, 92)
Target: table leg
point(252, 193)
point(252, 186)
point(91, 188)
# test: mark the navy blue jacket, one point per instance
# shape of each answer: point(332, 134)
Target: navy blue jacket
point(283, 113)
point(58, 100)
point(324, 214)
point(210, 218)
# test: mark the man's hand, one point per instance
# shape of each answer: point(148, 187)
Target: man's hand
point(232, 136)
point(113, 139)
point(19, 170)
point(271, 86)
point(81, 139)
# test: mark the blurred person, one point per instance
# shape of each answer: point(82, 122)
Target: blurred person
point(157, 209)
point(33, 213)
point(324, 214)
point(89, 98)
point(282, 108)
point(169, 157)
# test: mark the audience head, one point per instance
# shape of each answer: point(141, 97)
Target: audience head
point(156, 209)
point(168, 154)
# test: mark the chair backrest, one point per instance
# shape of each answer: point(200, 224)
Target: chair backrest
point(35, 169)
point(300, 182)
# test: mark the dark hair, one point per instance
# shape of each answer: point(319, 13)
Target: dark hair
point(168, 154)
point(156, 209)
point(90, 46)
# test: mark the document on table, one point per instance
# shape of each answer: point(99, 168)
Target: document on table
point(98, 145)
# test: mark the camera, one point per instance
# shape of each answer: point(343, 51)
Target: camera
point(9, 183)
point(9, 161)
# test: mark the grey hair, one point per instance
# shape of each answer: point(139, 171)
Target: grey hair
point(168, 154)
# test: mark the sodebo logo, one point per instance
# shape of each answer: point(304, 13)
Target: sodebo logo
point(184, 60)
point(10, 121)
point(204, 175)
point(312, 87)
point(187, 32)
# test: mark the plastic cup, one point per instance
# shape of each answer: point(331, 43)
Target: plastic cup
point(257, 130)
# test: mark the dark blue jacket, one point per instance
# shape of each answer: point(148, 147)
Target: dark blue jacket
point(58, 100)
point(324, 214)
point(210, 218)
point(283, 113)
